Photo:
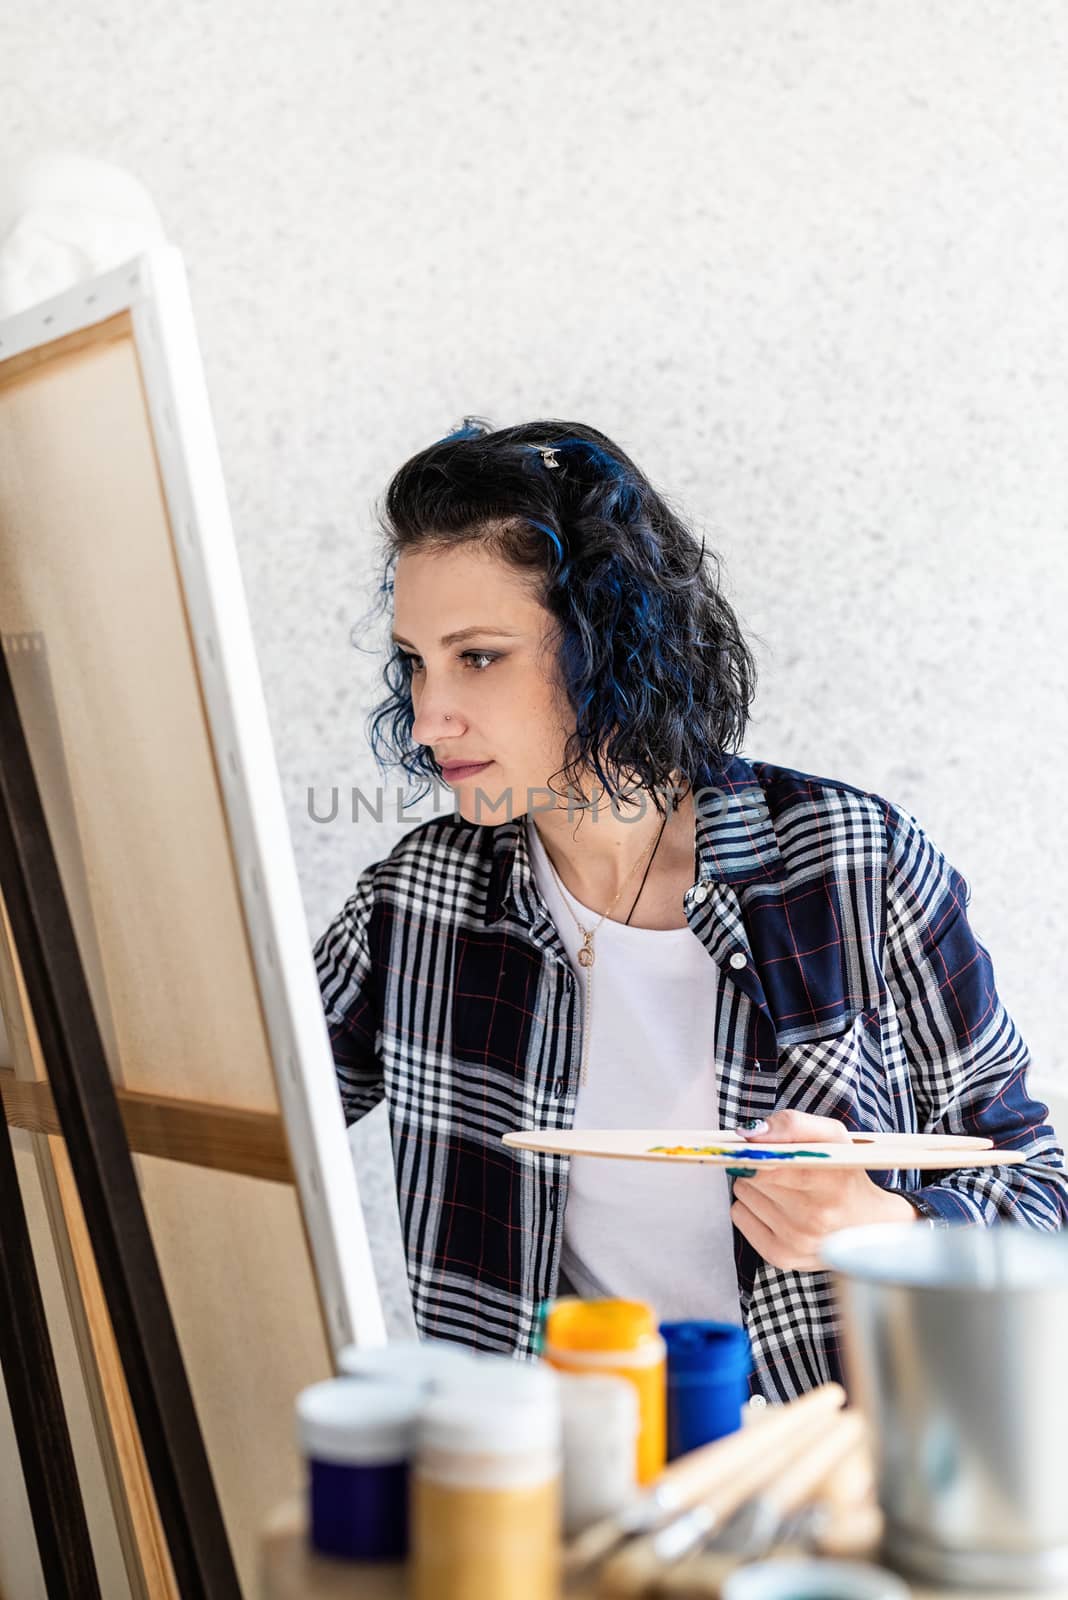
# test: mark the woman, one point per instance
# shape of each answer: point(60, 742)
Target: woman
point(626, 924)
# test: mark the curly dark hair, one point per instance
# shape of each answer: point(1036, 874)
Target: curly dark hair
point(649, 652)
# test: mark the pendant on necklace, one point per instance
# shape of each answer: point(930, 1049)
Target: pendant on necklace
point(585, 955)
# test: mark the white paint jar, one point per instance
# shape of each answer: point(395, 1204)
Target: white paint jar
point(600, 1420)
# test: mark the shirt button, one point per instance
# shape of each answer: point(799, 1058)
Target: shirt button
point(738, 960)
point(758, 1402)
point(558, 1087)
point(700, 894)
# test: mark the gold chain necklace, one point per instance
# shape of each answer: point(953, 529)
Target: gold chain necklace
point(586, 955)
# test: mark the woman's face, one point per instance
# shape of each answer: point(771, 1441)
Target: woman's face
point(497, 685)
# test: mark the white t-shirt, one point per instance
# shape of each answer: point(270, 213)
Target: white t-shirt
point(638, 1229)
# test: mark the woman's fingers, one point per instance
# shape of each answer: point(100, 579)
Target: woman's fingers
point(766, 1207)
point(767, 1239)
point(796, 1127)
point(787, 1178)
point(785, 1210)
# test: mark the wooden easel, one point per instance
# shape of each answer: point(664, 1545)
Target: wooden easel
point(125, 633)
point(88, 1114)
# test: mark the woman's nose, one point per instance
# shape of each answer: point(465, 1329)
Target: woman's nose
point(430, 725)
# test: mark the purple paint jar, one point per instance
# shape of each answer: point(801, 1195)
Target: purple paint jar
point(358, 1440)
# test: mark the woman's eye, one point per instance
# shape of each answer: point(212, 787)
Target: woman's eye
point(471, 657)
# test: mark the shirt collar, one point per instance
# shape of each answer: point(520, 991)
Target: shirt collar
point(736, 844)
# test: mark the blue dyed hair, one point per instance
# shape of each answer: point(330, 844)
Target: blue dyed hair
point(649, 652)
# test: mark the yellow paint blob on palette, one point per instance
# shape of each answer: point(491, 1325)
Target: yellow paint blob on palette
point(875, 1151)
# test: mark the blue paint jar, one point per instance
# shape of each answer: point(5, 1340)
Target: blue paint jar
point(358, 1440)
point(708, 1365)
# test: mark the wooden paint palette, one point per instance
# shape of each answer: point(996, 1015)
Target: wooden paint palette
point(878, 1152)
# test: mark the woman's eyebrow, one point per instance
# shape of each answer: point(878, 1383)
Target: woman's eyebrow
point(463, 633)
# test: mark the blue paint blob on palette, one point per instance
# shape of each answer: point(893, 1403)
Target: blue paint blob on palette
point(752, 1153)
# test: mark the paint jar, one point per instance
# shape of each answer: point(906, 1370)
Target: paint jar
point(515, 1376)
point(618, 1337)
point(515, 1373)
point(425, 1362)
point(485, 1494)
point(358, 1440)
point(708, 1366)
point(599, 1416)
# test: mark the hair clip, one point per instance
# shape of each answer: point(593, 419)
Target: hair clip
point(548, 454)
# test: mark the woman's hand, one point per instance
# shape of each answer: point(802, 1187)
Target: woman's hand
point(786, 1212)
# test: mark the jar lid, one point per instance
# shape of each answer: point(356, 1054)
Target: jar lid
point(708, 1348)
point(358, 1423)
point(494, 1412)
point(422, 1361)
point(574, 1324)
point(513, 1374)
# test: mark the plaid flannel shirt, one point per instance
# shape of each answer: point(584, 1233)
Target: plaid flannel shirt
point(864, 996)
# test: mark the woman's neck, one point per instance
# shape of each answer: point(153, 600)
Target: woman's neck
point(601, 857)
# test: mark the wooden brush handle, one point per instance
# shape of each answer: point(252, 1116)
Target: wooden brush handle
point(831, 1472)
point(700, 1472)
point(730, 1471)
point(684, 1481)
point(811, 1475)
point(853, 1532)
point(850, 1481)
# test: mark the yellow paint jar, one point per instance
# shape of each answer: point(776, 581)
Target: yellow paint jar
point(485, 1488)
point(619, 1337)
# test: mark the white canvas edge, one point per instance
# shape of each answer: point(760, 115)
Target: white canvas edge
point(154, 289)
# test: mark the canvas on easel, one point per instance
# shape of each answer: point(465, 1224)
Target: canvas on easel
point(124, 629)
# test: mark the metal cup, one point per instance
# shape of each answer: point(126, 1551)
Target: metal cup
point(955, 1348)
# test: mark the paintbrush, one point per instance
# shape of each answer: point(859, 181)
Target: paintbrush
point(642, 1563)
point(789, 1508)
point(697, 1477)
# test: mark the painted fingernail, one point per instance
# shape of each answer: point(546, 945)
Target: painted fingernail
point(741, 1172)
point(754, 1125)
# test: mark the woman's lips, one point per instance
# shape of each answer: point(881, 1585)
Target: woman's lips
point(463, 769)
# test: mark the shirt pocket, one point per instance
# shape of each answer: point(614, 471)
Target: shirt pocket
point(840, 1075)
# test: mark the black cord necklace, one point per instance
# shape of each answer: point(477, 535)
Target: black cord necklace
point(648, 864)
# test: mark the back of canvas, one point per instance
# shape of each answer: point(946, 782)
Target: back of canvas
point(96, 634)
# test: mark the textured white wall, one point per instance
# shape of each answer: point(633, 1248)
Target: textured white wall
point(806, 262)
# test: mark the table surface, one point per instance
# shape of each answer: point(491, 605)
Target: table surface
point(290, 1571)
